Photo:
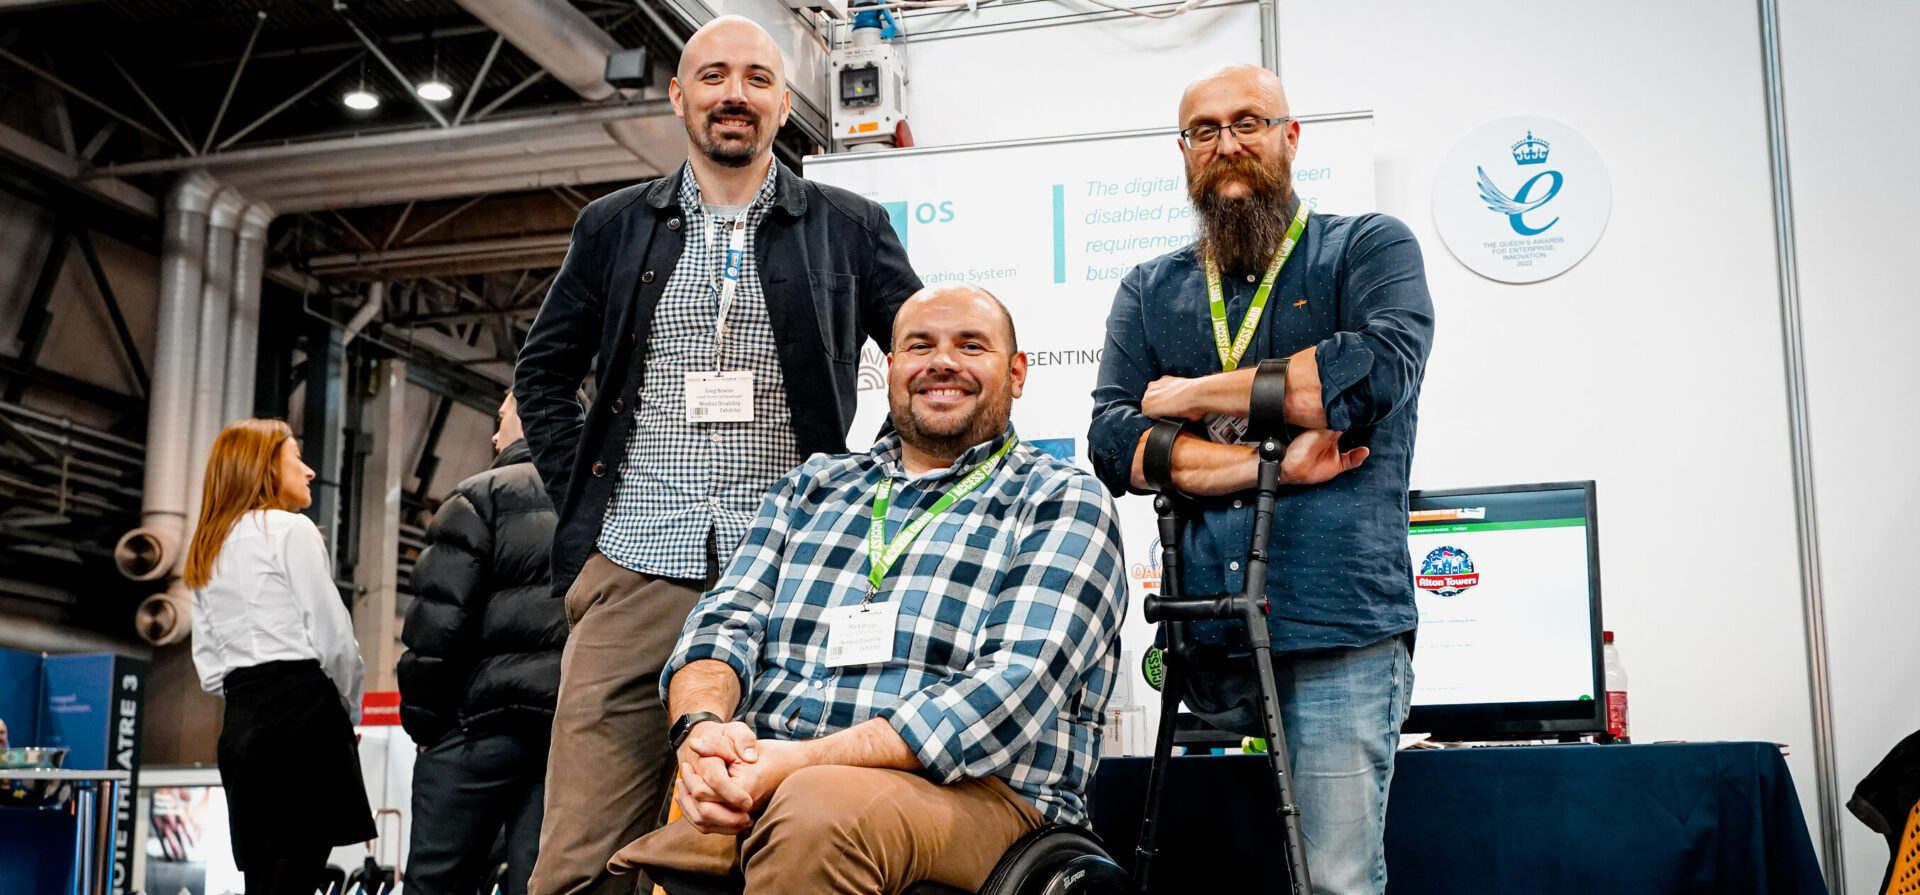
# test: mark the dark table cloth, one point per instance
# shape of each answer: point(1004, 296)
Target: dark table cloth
point(1680, 818)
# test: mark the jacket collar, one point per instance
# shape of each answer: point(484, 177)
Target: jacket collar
point(788, 194)
point(517, 452)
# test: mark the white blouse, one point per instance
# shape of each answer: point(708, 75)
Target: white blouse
point(270, 598)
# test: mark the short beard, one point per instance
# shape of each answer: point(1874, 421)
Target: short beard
point(722, 153)
point(989, 419)
point(729, 156)
point(1241, 234)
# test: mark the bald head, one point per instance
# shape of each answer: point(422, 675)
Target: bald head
point(731, 39)
point(1231, 93)
point(953, 372)
point(731, 91)
point(963, 300)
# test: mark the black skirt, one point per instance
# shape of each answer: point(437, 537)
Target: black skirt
point(290, 764)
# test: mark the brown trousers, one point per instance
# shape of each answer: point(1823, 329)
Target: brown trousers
point(609, 768)
point(858, 831)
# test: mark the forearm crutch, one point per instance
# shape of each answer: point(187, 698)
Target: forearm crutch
point(1174, 609)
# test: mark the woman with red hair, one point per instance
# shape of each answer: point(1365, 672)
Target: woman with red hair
point(271, 635)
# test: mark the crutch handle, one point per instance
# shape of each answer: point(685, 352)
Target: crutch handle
point(1190, 609)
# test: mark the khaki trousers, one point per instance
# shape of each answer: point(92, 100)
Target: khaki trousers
point(858, 831)
point(609, 768)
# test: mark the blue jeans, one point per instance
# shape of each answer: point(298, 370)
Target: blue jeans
point(1342, 709)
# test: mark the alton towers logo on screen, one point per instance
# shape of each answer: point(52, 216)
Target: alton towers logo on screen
point(1446, 572)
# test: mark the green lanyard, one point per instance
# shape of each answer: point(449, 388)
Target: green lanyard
point(1230, 354)
point(880, 554)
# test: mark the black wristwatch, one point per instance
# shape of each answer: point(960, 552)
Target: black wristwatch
point(683, 726)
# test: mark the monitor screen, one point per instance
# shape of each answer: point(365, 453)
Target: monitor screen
point(1508, 586)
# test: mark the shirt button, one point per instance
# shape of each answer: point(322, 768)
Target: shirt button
point(599, 469)
point(817, 685)
point(647, 277)
point(673, 223)
point(1235, 565)
point(1250, 278)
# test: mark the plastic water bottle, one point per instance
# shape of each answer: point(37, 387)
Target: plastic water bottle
point(1616, 673)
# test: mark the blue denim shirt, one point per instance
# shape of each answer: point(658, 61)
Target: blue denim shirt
point(1355, 288)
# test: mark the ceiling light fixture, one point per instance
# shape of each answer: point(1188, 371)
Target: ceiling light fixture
point(359, 99)
point(433, 89)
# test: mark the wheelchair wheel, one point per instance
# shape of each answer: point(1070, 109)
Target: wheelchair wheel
point(1058, 859)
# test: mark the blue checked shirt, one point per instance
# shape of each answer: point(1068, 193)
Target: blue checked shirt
point(682, 480)
point(1006, 646)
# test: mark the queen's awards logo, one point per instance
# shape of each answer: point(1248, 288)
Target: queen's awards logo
point(1446, 572)
point(1521, 199)
point(1529, 151)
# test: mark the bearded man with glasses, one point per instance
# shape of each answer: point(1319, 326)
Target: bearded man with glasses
point(1343, 302)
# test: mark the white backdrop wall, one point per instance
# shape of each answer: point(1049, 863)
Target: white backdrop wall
point(1655, 366)
point(1851, 79)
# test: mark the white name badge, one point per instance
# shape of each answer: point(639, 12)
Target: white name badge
point(720, 397)
point(860, 635)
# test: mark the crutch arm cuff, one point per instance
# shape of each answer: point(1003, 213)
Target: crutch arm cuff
point(1156, 461)
point(1267, 402)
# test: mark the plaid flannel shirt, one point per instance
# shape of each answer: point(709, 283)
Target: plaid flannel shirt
point(681, 480)
point(1007, 639)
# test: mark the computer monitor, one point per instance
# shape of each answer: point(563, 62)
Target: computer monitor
point(1507, 580)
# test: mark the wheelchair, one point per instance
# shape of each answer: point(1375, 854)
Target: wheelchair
point(1062, 859)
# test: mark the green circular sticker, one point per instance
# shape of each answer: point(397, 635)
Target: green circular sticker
point(1154, 667)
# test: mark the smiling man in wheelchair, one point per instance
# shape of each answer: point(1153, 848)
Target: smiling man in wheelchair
point(903, 669)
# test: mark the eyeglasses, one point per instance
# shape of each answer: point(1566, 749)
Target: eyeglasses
point(1201, 135)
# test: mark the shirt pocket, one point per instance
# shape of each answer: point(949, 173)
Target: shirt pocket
point(836, 302)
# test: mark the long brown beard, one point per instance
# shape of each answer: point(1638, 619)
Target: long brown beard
point(1241, 234)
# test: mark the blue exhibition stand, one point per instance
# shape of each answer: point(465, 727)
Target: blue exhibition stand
point(91, 705)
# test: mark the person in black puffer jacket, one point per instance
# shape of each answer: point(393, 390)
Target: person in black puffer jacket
point(480, 675)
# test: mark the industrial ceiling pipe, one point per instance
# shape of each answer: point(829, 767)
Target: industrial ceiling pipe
point(152, 550)
point(243, 345)
point(210, 368)
point(562, 40)
point(166, 617)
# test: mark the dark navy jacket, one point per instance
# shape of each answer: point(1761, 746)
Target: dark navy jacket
point(834, 273)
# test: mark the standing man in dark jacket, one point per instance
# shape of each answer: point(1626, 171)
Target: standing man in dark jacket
point(723, 308)
point(482, 668)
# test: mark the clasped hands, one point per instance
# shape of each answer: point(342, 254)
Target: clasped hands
point(727, 775)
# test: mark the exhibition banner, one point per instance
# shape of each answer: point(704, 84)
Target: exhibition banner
point(1050, 227)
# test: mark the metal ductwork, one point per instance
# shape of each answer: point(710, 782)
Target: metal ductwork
point(166, 617)
point(376, 300)
point(151, 551)
point(210, 267)
point(243, 343)
point(210, 369)
point(562, 40)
